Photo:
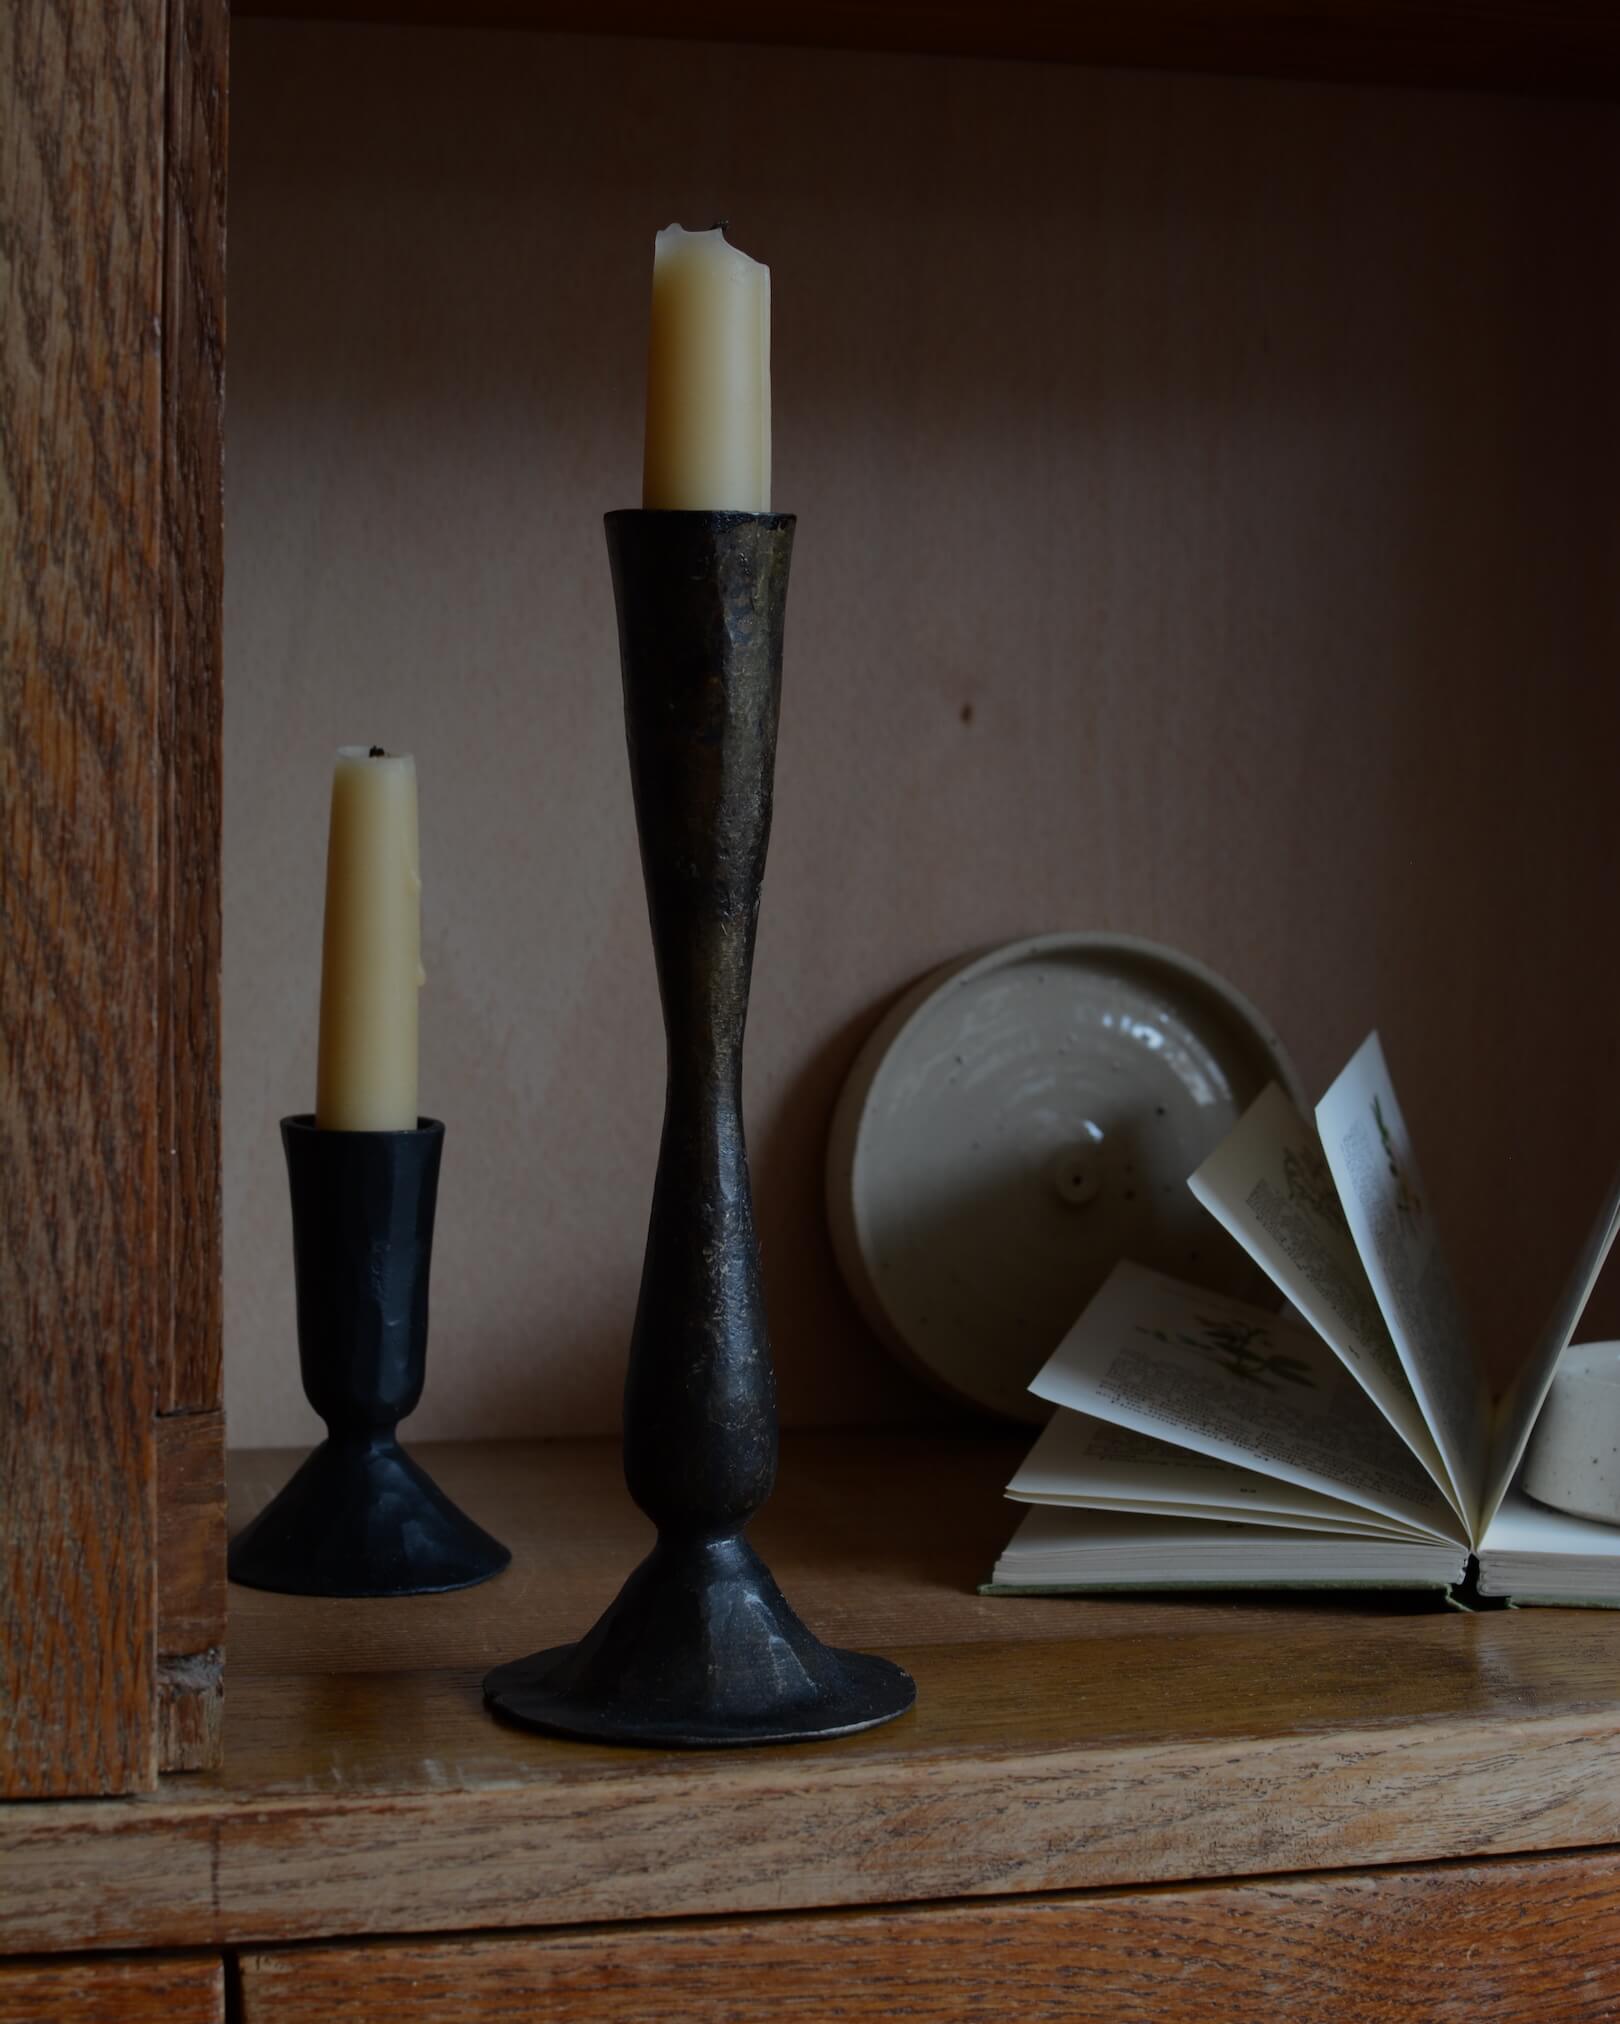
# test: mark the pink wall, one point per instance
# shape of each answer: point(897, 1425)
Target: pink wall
point(1243, 454)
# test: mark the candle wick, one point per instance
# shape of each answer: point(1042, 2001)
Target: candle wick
point(376, 752)
point(721, 225)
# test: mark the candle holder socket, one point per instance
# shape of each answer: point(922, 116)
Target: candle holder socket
point(360, 1518)
point(701, 1648)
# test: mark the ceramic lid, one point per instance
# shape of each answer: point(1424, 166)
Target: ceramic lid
point(1572, 1459)
point(1019, 1122)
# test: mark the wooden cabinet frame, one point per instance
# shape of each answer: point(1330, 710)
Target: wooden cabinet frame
point(112, 229)
point(112, 210)
point(1138, 1754)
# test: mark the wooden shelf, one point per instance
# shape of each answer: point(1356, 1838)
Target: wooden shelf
point(1057, 1744)
point(1507, 45)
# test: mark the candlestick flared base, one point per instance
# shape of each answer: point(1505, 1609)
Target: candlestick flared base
point(363, 1520)
point(700, 1650)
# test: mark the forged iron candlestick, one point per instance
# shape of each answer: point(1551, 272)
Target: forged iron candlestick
point(360, 1517)
point(700, 1648)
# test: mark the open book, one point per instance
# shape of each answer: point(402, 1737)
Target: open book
point(1202, 1442)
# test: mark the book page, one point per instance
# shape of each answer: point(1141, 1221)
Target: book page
point(1392, 1223)
point(1268, 1185)
point(1534, 1554)
point(1079, 1460)
point(1240, 1385)
point(1521, 1403)
point(1522, 1525)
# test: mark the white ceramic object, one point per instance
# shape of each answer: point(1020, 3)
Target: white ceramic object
point(1019, 1122)
point(1573, 1460)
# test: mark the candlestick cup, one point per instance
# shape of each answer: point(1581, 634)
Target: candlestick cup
point(360, 1518)
point(701, 1648)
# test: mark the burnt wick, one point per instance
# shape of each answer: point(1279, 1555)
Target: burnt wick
point(376, 752)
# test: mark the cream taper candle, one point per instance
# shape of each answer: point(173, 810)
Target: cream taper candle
point(371, 961)
point(708, 377)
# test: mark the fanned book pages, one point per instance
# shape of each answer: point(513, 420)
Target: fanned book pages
point(1199, 1442)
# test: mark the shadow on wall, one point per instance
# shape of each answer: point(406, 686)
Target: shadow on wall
point(806, 1298)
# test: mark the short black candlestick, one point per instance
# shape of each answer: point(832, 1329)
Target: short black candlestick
point(701, 1648)
point(360, 1517)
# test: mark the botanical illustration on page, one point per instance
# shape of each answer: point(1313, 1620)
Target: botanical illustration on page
point(1241, 1385)
point(1369, 1150)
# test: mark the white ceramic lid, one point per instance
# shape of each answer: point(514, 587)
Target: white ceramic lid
point(1019, 1122)
point(1572, 1462)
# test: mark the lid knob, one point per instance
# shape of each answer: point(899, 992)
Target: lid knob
point(1077, 1174)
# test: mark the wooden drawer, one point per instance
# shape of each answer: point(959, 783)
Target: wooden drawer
point(114, 1989)
point(1470, 1942)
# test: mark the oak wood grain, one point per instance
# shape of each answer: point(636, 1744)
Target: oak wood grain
point(876, 1536)
point(191, 1504)
point(191, 1533)
point(842, 1525)
point(191, 1709)
point(1134, 1743)
point(191, 1590)
point(190, 1377)
point(113, 388)
point(1514, 45)
point(1454, 1944)
point(150, 1989)
point(81, 130)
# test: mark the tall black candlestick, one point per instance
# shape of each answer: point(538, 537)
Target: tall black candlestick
point(700, 1647)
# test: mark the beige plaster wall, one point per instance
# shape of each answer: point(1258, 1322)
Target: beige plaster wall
point(1208, 530)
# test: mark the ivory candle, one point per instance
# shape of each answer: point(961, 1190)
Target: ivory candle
point(371, 961)
point(708, 377)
